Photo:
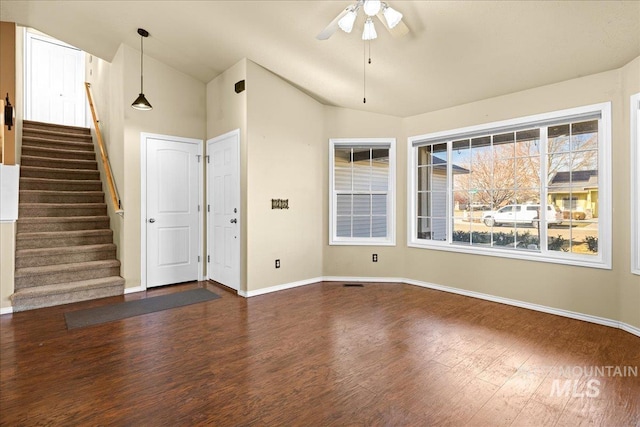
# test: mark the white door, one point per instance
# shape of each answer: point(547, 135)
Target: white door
point(223, 209)
point(172, 218)
point(55, 82)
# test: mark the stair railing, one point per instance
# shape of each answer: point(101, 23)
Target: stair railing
point(113, 190)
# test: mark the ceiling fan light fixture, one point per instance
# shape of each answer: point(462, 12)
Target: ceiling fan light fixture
point(369, 32)
point(372, 7)
point(346, 22)
point(392, 16)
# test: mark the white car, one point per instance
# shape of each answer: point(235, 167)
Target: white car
point(521, 214)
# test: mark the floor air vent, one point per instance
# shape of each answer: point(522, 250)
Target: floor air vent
point(353, 285)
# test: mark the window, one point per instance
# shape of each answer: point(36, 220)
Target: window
point(533, 188)
point(635, 183)
point(362, 183)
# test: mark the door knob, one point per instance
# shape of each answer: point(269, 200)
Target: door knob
point(152, 220)
point(233, 221)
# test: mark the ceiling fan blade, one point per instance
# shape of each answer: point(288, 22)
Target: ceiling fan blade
point(399, 30)
point(332, 27)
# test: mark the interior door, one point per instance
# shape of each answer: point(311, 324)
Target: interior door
point(172, 218)
point(223, 209)
point(55, 78)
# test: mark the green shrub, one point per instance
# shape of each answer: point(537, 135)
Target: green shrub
point(557, 243)
point(592, 243)
point(499, 239)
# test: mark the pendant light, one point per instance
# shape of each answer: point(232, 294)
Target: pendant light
point(141, 102)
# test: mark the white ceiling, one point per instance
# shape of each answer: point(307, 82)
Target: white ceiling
point(456, 52)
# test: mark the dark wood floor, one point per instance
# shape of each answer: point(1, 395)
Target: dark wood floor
point(320, 355)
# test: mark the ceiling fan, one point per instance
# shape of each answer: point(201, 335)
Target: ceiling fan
point(390, 18)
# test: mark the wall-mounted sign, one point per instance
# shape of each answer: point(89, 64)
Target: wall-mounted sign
point(279, 203)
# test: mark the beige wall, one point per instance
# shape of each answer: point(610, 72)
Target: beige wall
point(629, 297)
point(284, 155)
point(274, 129)
point(178, 110)
point(106, 90)
point(356, 260)
point(585, 290)
point(8, 86)
point(7, 262)
point(612, 294)
point(11, 152)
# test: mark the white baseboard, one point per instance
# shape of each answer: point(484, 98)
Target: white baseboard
point(508, 301)
point(363, 279)
point(6, 310)
point(248, 294)
point(631, 329)
point(134, 290)
point(517, 303)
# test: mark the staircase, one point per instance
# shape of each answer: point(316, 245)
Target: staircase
point(64, 246)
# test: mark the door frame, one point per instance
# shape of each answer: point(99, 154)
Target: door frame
point(31, 34)
point(236, 133)
point(143, 201)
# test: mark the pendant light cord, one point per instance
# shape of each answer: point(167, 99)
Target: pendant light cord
point(141, 62)
point(364, 74)
point(364, 70)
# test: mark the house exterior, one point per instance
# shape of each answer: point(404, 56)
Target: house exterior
point(575, 192)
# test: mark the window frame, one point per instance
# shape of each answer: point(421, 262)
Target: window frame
point(601, 260)
point(634, 140)
point(371, 143)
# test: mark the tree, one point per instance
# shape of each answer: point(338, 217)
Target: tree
point(499, 174)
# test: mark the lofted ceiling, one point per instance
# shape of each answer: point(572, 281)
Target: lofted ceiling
point(457, 51)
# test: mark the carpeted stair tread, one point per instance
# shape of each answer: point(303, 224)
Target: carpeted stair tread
point(56, 133)
point(60, 209)
point(29, 210)
point(64, 255)
point(62, 273)
point(30, 124)
point(66, 249)
point(29, 183)
point(50, 196)
point(52, 239)
point(64, 287)
point(65, 293)
point(55, 173)
point(57, 153)
point(58, 163)
point(50, 234)
point(63, 238)
point(64, 205)
point(62, 224)
point(71, 267)
point(37, 141)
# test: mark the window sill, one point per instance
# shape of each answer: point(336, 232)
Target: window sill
point(362, 243)
point(577, 260)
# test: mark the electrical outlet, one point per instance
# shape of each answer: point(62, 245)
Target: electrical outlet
point(374, 258)
point(277, 263)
